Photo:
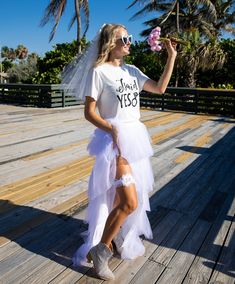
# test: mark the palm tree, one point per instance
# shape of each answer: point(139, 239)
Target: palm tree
point(178, 15)
point(225, 10)
point(198, 55)
point(21, 52)
point(196, 21)
point(9, 53)
point(55, 10)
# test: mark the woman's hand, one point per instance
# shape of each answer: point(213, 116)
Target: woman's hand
point(170, 46)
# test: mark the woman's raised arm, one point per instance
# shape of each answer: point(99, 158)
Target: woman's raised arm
point(160, 86)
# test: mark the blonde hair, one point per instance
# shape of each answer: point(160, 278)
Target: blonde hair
point(107, 42)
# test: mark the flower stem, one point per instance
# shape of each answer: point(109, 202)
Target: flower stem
point(176, 40)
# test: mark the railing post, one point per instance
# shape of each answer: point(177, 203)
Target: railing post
point(163, 101)
point(196, 102)
point(63, 98)
point(40, 103)
point(233, 109)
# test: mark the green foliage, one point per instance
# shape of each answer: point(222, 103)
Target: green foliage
point(8, 53)
point(12, 54)
point(24, 70)
point(19, 65)
point(6, 64)
point(224, 76)
point(196, 57)
point(21, 51)
point(222, 86)
point(50, 67)
point(201, 21)
point(151, 63)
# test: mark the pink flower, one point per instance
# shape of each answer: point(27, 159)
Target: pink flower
point(153, 41)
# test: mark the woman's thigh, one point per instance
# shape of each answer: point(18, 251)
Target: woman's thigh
point(122, 167)
point(125, 194)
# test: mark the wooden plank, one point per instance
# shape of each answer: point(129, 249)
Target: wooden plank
point(54, 231)
point(148, 115)
point(204, 264)
point(32, 129)
point(149, 273)
point(47, 141)
point(188, 180)
point(175, 186)
point(160, 231)
point(213, 207)
point(21, 214)
point(67, 207)
point(213, 177)
point(36, 138)
point(53, 179)
point(176, 237)
point(57, 253)
point(24, 151)
point(192, 122)
point(224, 271)
point(163, 120)
point(178, 185)
point(199, 142)
point(176, 270)
point(49, 235)
point(35, 230)
point(69, 275)
point(11, 190)
point(161, 257)
point(197, 186)
point(55, 150)
point(9, 249)
point(53, 260)
point(19, 169)
point(126, 271)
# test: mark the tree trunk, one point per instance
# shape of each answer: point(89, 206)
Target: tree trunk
point(178, 31)
point(177, 74)
point(190, 80)
point(77, 9)
point(177, 17)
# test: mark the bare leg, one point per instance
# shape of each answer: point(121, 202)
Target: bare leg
point(125, 203)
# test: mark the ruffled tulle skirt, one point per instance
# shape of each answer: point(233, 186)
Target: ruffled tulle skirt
point(135, 146)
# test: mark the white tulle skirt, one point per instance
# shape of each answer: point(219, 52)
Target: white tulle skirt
point(134, 143)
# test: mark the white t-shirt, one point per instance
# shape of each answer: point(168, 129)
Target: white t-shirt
point(116, 90)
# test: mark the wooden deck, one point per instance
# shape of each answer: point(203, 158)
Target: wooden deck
point(43, 183)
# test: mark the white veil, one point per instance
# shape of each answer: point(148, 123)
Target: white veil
point(74, 75)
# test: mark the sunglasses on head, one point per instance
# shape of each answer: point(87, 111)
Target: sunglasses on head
point(126, 39)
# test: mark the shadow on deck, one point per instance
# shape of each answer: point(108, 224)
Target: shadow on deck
point(193, 213)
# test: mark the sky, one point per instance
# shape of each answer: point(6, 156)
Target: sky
point(20, 19)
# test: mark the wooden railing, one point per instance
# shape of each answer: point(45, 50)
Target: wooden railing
point(196, 100)
point(38, 95)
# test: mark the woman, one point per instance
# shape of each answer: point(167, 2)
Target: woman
point(122, 177)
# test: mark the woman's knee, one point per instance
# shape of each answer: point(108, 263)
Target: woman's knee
point(129, 206)
point(128, 198)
